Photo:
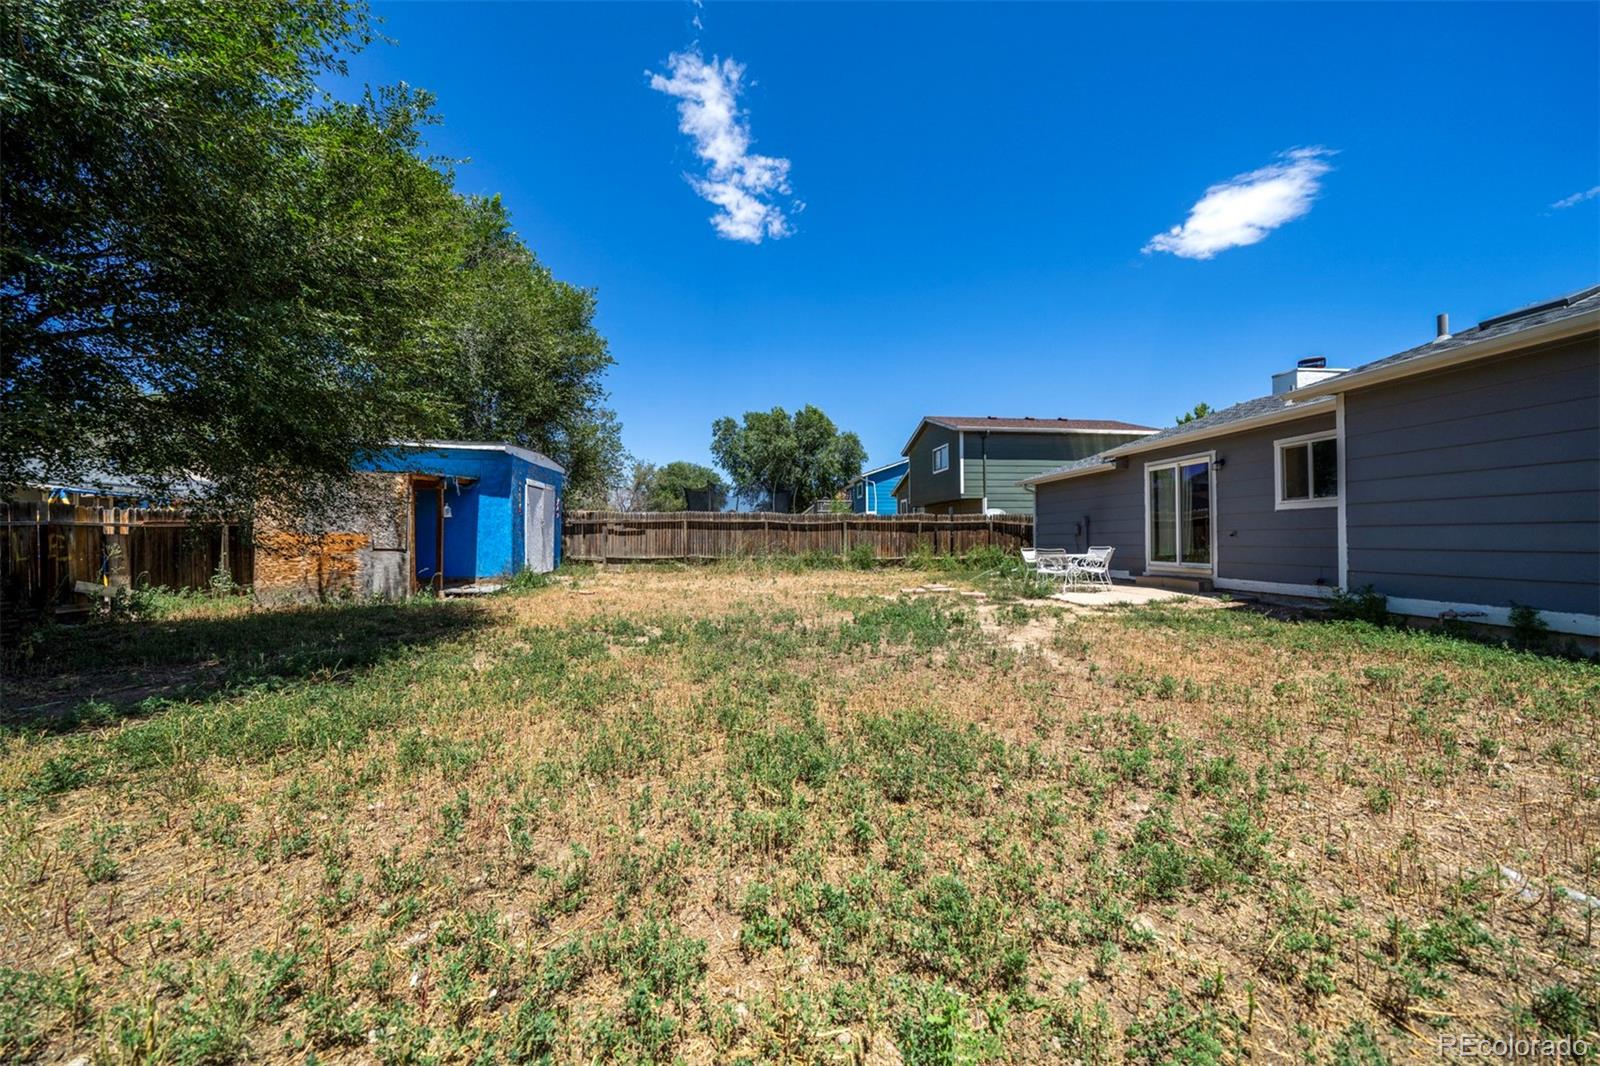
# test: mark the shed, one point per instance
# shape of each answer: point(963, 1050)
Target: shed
point(437, 515)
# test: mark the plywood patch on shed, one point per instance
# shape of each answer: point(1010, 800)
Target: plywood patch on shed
point(361, 550)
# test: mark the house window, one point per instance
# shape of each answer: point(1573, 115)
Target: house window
point(1307, 471)
point(941, 459)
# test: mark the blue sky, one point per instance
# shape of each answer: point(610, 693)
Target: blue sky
point(973, 192)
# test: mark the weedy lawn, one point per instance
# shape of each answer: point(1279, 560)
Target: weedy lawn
point(776, 815)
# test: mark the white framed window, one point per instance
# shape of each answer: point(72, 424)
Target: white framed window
point(1306, 471)
point(941, 459)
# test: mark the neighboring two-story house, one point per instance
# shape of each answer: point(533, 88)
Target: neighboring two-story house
point(974, 465)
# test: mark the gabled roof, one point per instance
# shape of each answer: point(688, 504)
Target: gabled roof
point(980, 423)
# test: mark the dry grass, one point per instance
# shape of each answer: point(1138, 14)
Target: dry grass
point(738, 812)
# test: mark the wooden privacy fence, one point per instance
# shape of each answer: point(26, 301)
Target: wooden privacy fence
point(53, 550)
point(619, 536)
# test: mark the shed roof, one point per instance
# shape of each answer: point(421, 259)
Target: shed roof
point(528, 454)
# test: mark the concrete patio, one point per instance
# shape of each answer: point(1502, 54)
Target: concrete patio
point(1120, 595)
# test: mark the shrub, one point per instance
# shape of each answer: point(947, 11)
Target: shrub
point(1528, 631)
point(1361, 605)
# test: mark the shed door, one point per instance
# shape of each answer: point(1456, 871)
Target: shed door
point(540, 526)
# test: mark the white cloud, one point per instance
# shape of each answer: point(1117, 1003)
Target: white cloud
point(1244, 209)
point(743, 185)
point(1577, 198)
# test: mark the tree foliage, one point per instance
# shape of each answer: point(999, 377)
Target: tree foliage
point(674, 481)
point(524, 359)
point(648, 487)
point(769, 453)
point(1200, 410)
point(209, 268)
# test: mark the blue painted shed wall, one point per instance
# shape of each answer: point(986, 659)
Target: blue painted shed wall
point(880, 499)
point(483, 537)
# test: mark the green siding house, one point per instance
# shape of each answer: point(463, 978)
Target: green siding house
point(973, 465)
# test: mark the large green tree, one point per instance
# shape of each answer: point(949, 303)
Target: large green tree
point(208, 267)
point(770, 453)
point(524, 359)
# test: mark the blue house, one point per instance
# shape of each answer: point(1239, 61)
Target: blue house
point(873, 491)
point(475, 511)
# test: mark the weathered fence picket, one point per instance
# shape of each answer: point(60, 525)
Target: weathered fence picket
point(47, 550)
point(620, 536)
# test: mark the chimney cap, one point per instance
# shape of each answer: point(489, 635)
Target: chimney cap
point(1313, 362)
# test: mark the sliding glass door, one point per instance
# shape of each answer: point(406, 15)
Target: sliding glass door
point(1179, 513)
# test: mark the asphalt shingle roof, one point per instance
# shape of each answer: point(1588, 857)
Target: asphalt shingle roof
point(1574, 303)
point(1567, 306)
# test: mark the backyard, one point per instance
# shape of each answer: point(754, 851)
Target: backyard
point(778, 813)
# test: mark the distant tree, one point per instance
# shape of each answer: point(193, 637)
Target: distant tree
point(769, 454)
point(1200, 411)
point(676, 479)
point(632, 492)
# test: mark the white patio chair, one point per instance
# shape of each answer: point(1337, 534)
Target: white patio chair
point(1030, 558)
point(1051, 562)
point(1093, 567)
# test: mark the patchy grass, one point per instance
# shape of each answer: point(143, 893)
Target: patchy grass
point(769, 812)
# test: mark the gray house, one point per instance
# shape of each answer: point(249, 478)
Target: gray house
point(1458, 478)
point(962, 465)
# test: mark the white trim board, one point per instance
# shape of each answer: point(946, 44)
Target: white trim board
point(1585, 625)
point(1344, 495)
point(1274, 588)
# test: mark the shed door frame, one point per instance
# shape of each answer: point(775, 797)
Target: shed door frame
point(538, 526)
point(426, 483)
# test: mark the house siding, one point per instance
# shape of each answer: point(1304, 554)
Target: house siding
point(1254, 541)
point(925, 488)
point(1011, 457)
point(1480, 484)
point(874, 493)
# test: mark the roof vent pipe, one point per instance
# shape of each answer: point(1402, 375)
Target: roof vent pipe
point(1441, 325)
